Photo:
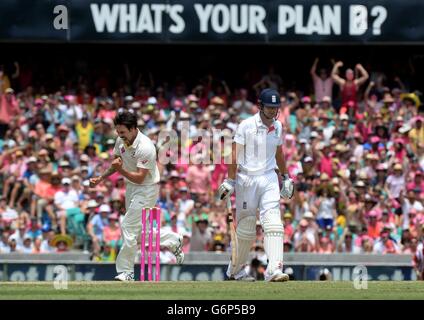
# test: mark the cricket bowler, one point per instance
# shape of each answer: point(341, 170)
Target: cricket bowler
point(256, 152)
point(135, 159)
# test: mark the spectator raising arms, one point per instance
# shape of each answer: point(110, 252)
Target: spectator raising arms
point(349, 86)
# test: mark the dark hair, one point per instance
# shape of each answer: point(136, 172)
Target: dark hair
point(126, 119)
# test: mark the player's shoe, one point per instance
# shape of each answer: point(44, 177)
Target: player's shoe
point(277, 276)
point(241, 276)
point(125, 277)
point(178, 251)
point(247, 278)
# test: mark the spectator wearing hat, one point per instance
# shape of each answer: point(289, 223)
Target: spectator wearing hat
point(65, 199)
point(44, 160)
point(385, 244)
point(418, 181)
point(8, 215)
point(90, 209)
point(9, 108)
point(374, 226)
point(107, 252)
point(395, 182)
point(399, 149)
point(64, 140)
point(312, 224)
point(72, 110)
point(112, 231)
point(14, 177)
point(416, 134)
point(201, 236)
point(409, 202)
point(27, 245)
point(65, 169)
point(85, 131)
point(96, 225)
point(370, 169)
point(288, 226)
point(324, 159)
point(381, 175)
point(304, 239)
point(62, 243)
point(184, 204)
point(29, 179)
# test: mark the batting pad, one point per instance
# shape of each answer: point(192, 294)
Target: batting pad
point(246, 233)
point(273, 239)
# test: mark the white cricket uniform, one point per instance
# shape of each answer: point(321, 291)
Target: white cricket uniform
point(419, 259)
point(257, 187)
point(257, 183)
point(141, 154)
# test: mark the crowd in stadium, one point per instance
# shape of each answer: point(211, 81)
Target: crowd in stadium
point(354, 145)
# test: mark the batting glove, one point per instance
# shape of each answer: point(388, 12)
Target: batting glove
point(226, 189)
point(287, 187)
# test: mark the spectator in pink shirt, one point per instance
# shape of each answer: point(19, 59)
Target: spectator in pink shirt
point(323, 83)
point(288, 226)
point(112, 232)
point(289, 147)
point(15, 177)
point(198, 179)
point(325, 160)
point(395, 182)
point(218, 175)
point(8, 109)
point(107, 110)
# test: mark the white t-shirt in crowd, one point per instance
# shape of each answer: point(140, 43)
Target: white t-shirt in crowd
point(66, 200)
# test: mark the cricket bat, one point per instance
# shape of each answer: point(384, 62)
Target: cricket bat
point(233, 235)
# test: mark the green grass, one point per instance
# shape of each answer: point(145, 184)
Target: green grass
point(186, 290)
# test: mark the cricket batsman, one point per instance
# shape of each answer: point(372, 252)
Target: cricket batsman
point(135, 159)
point(256, 152)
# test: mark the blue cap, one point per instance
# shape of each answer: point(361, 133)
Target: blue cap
point(270, 98)
point(46, 227)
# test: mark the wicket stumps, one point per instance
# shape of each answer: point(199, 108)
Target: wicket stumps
point(154, 214)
